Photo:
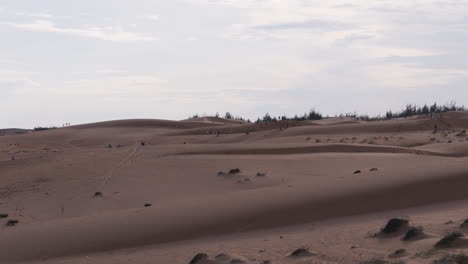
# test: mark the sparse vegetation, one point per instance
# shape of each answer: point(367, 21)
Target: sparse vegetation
point(237, 261)
point(3, 215)
point(464, 224)
point(412, 110)
point(301, 252)
point(148, 205)
point(98, 194)
point(409, 110)
point(198, 258)
point(398, 253)
point(234, 171)
point(222, 257)
point(394, 225)
point(39, 128)
point(12, 222)
point(414, 233)
point(375, 261)
point(452, 259)
point(448, 240)
point(357, 172)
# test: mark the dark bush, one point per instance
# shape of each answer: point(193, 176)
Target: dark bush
point(39, 128)
point(234, 171)
point(465, 223)
point(452, 259)
point(12, 222)
point(198, 258)
point(394, 225)
point(414, 233)
point(398, 253)
point(301, 252)
point(448, 240)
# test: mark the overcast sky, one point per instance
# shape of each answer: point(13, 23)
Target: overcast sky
point(84, 61)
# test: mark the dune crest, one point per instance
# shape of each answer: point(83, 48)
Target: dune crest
point(238, 192)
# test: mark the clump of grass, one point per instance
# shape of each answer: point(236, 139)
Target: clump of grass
point(357, 172)
point(448, 240)
point(12, 222)
point(3, 215)
point(394, 225)
point(39, 128)
point(98, 194)
point(464, 224)
point(398, 253)
point(374, 169)
point(148, 204)
point(222, 257)
point(234, 171)
point(413, 233)
point(261, 174)
point(375, 261)
point(237, 261)
point(198, 258)
point(452, 259)
point(301, 252)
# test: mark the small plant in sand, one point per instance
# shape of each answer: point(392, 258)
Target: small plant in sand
point(394, 225)
point(237, 261)
point(357, 172)
point(261, 174)
point(375, 261)
point(223, 257)
point(464, 224)
point(3, 215)
point(234, 171)
point(300, 253)
point(198, 258)
point(448, 240)
point(12, 222)
point(148, 205)
point(452, 259)
point(414, 233)
point(398, 253)
point(98, 194)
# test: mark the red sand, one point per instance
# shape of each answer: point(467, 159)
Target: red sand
point(306, 196)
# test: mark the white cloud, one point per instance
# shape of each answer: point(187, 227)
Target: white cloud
point(103, 33)
point(114, 87)
point(153, 17)
point(34, 14)
point(110, 71)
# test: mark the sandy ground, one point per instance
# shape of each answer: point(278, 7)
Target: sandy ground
point(328, 187)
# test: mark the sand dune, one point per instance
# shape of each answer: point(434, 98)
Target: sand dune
point(12, 131)
point(250, 197)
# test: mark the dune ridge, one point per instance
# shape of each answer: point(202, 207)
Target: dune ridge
point(137, 184)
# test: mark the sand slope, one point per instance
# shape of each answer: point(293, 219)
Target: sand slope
point(173, 196)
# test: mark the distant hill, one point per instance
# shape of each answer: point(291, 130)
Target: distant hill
point(13, 131)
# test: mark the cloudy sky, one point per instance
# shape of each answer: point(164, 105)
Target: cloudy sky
point(83, 61)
